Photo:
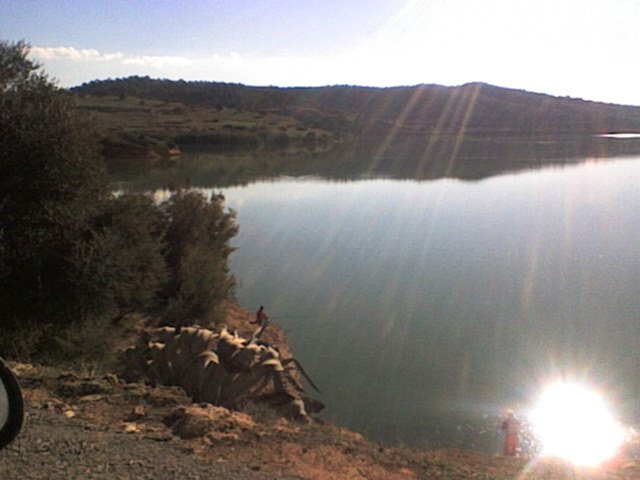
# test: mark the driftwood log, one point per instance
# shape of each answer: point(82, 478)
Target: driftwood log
point(222, 368)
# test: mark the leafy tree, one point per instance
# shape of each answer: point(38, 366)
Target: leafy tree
point(74, 257)
point(197, 250)
point(125, 267)
point(51, 183)
point(70, 252)
point(15, 68)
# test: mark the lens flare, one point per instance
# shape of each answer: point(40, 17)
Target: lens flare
point(573, 423)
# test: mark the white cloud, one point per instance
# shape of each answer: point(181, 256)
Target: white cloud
point(157, 61)
point(74, 54)
point(91, 55)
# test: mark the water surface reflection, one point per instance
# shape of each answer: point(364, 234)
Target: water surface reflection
point(467, 158)
point(417, 306)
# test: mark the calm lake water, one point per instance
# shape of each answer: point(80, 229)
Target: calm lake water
point(423, 309)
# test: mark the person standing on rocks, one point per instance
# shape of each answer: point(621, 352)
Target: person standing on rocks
point(261, 317)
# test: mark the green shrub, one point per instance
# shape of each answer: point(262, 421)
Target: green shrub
point(196, 251)
point(52, 183)
point(74, 258)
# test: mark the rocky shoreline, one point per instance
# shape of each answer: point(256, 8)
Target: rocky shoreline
point(84, 426)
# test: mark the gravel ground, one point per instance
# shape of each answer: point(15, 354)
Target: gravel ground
point(53, 447)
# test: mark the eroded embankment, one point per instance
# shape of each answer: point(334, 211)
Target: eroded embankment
point(87, 426)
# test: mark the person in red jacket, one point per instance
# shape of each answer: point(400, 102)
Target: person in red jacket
point(510, 428)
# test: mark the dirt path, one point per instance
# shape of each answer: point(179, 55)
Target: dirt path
point(53, 447)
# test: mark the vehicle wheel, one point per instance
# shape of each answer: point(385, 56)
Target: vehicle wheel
point(11, 406)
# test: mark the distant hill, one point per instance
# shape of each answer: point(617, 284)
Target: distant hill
point(474, 108)
point(425, 131)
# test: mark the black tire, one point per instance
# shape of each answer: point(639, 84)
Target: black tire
point(14, 405)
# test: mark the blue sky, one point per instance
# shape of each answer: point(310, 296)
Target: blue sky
point(580, 48)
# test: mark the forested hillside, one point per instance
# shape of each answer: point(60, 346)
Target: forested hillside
point(474, 108)
point(425, 131)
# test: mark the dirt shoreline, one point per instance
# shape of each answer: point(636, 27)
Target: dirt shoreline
point(87, 427)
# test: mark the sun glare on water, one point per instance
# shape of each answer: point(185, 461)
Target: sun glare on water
point(573, 423)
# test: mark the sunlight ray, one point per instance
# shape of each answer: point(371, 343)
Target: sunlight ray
point(398, 124)
point(454, 106)
point(458, 105)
